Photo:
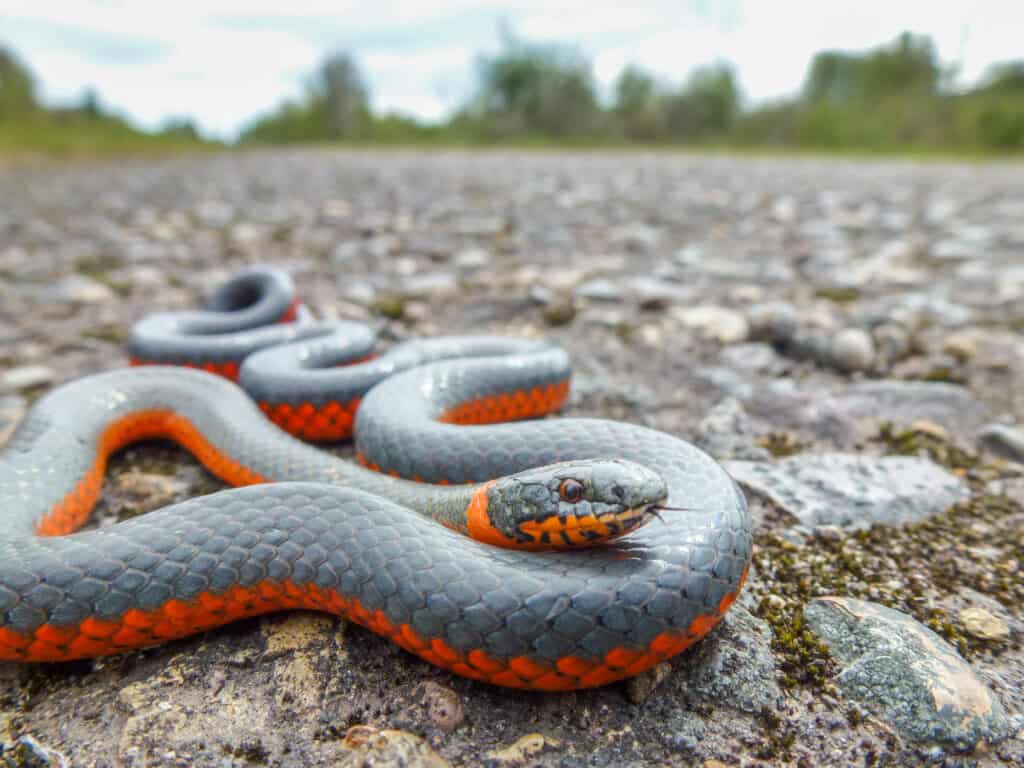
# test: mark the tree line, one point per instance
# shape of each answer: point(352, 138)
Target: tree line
point(897, 95)
point(26, 124)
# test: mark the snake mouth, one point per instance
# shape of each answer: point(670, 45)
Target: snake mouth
point(577, 531)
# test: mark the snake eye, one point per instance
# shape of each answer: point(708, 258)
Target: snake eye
point(571, 491)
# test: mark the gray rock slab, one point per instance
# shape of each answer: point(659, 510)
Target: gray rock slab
point(915, 679)
point(727, 432)
point(735, 665)
point(850, 490)
point(950, 405)
point(855, 413)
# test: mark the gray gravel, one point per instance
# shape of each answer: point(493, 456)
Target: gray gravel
point(761, 307)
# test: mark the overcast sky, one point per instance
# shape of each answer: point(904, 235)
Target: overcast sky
point(225, 61)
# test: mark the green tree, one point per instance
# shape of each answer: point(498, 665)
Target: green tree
point(1005, 78)
point(907, 68)
point(545, 90)
point(334, 107)
point(181, 127)
point(635, 89)
point(993, 113)
point(17, 87)
point(91, 106)
point(706, 106)
point(638, 105)
point(341, 94)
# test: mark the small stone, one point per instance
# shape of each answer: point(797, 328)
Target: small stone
point(728, 382)
point(148, 277)
point(963, 346)
point(245, 233)
point(523, 750)
point(915, 678)
point(215, 214)
point(794, 537)
point(560, 312)
point(541, 294)
point(774, 322)
point(640, 687)
point(1003, 440)
point(380, 247)
point(892, 342)
point(687, 733)
point(929, 428)
point(714, 323)
point(337, 209)
point(441, 706)
point(984, 625)
point(810, 344)
point(472, 258)
point(430, 284)
point(600, 290)
point(406, 266)
point(784, 209)
point(828, 532)
point(853, 349)
point(346, 252)
point(79, 289)
point(746, 294)
point(148, 490)
point(753, 356)
point(360, 292)
point(638, 238)
point(654, 294)
point(480, 226)
point(12, 410)
point(26, 377)
point(26, 752)
point(371, 746)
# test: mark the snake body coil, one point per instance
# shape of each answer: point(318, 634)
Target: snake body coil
point(330, 535)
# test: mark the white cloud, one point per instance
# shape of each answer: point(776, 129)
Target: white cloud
point(228, 60)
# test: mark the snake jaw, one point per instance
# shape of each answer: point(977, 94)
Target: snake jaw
point(580, 531)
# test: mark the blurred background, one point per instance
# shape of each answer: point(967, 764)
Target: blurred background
point(906, 77)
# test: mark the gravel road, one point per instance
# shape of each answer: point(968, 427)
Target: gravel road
point(846, 336)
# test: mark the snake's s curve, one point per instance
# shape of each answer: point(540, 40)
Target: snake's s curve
point(323, 533)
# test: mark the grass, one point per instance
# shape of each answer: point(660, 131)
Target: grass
point(45, 137)
point(579, 144)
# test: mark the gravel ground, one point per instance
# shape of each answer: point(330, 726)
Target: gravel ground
point(844, 336)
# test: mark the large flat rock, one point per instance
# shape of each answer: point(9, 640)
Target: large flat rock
point(910, 674)
point(850, 490)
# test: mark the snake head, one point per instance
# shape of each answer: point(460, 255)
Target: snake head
point(566, 505)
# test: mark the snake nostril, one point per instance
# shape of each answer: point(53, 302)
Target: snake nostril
point(617, 491)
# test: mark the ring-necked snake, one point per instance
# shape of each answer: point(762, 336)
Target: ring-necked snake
point(328, 534)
